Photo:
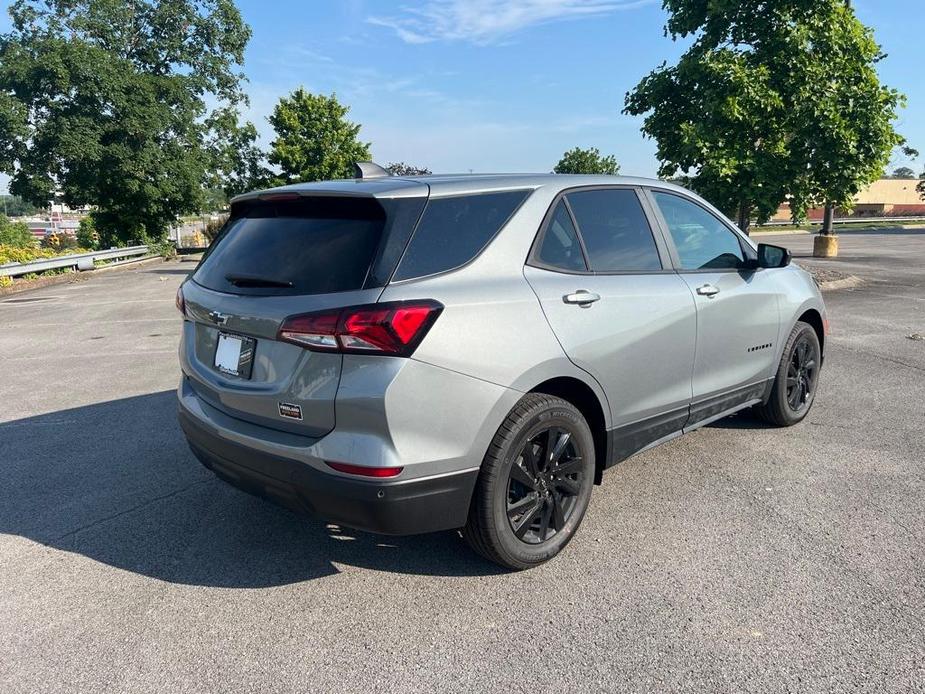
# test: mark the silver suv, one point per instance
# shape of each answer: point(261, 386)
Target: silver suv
point(406, 355)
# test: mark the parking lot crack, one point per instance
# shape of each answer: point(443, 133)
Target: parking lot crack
point(124, 512)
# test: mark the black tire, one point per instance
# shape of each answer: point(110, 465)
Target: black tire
point(797, 379)
point(508, 493)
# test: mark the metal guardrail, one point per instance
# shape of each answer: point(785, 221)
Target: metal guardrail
point(82, 261)
point(849, 220)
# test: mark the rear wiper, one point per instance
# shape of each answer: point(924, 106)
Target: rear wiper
point(253, 281)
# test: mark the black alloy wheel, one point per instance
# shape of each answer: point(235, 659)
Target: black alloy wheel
point(534, 485)
point(544, 484)
point(797, 381)
point(802, 373)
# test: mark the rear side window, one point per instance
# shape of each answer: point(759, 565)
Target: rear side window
point(615, 230)
point(560, 247)
point(312, 245)
point(454, 230)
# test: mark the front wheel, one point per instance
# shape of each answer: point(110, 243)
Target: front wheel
point(534, 485)
point(797, 378)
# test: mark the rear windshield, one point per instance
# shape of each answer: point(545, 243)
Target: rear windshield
point(453, 230)
point(312, 245)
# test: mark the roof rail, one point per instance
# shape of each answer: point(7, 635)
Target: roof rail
point(368, 169)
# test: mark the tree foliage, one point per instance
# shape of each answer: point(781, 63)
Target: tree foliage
point(116, 104)
point(902, 172)
point(237, 162)
point(400, 168)
point(314, 140)
point(15, 206)
point(15, 234)
point(587, 161)
point(773, 99)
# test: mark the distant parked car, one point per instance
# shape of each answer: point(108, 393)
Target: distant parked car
point(404, 355)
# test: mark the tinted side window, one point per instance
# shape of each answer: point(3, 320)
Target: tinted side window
point(615, 231)
point(454, 230)
point(560, 247)
point(702, 240)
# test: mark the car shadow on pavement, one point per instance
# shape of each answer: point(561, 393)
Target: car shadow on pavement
point(741, 420)
point(115, 482)
point(172, 271)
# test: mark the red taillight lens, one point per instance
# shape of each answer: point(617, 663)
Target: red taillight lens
point(394, 328)
point(365, 471)
point(180, 301)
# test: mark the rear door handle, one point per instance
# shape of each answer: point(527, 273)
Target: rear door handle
point(581, 297)
point(708, 290)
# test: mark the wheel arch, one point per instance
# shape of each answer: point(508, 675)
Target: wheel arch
point(814, 318)
point(586, 400)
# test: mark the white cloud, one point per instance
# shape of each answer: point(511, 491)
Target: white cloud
point(488, 21)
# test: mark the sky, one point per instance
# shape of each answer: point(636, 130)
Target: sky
point(495, 85)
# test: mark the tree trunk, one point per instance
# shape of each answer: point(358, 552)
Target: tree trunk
point(828, 228)
point(745, 216)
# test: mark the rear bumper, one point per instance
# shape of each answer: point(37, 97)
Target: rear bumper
point(396, 507)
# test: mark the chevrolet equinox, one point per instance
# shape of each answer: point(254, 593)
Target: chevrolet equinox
point(412, 354)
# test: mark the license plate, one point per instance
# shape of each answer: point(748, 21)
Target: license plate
point(234, 355)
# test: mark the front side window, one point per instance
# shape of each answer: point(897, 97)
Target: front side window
point(453, 230)
point(615, 230)
point(560, 247)
point(703, 241)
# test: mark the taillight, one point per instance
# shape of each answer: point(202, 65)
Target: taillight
point(364, 471)
point(394, 328)
point(180, 301)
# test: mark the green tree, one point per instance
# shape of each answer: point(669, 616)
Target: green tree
point(238, 165)
point(400, 168)
point(587, 161)
point(314, 140)
point(903, 172)
point(15, 234)
point(111, 103)
point(15, 206)
point(771, 100)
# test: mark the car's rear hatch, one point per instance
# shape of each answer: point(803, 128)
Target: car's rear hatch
point(283, 254)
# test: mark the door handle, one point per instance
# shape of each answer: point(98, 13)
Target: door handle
point(581, 297)
point(708, 290)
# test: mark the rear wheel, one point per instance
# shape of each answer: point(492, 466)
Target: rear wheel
point(534, 485)
point(797, 377)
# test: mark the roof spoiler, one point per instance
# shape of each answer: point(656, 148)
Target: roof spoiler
point(368, 169)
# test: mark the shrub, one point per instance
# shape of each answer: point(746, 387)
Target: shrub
point(87, 235)
point(166, 249)
point(15, 254)
point(213, 226)
point(15, 234)
point(60, 242)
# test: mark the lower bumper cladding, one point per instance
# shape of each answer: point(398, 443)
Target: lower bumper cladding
point(386, 506)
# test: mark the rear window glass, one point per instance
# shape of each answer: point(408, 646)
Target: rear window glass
point(561, 248)
point(454, 230)
point(305, 246)
point(615, 231)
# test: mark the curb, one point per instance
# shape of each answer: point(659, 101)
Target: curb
point(785, 232)
point(74, 277)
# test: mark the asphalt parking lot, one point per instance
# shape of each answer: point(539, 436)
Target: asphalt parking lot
point(738, 558)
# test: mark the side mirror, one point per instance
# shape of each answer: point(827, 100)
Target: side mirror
point(773, 256)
